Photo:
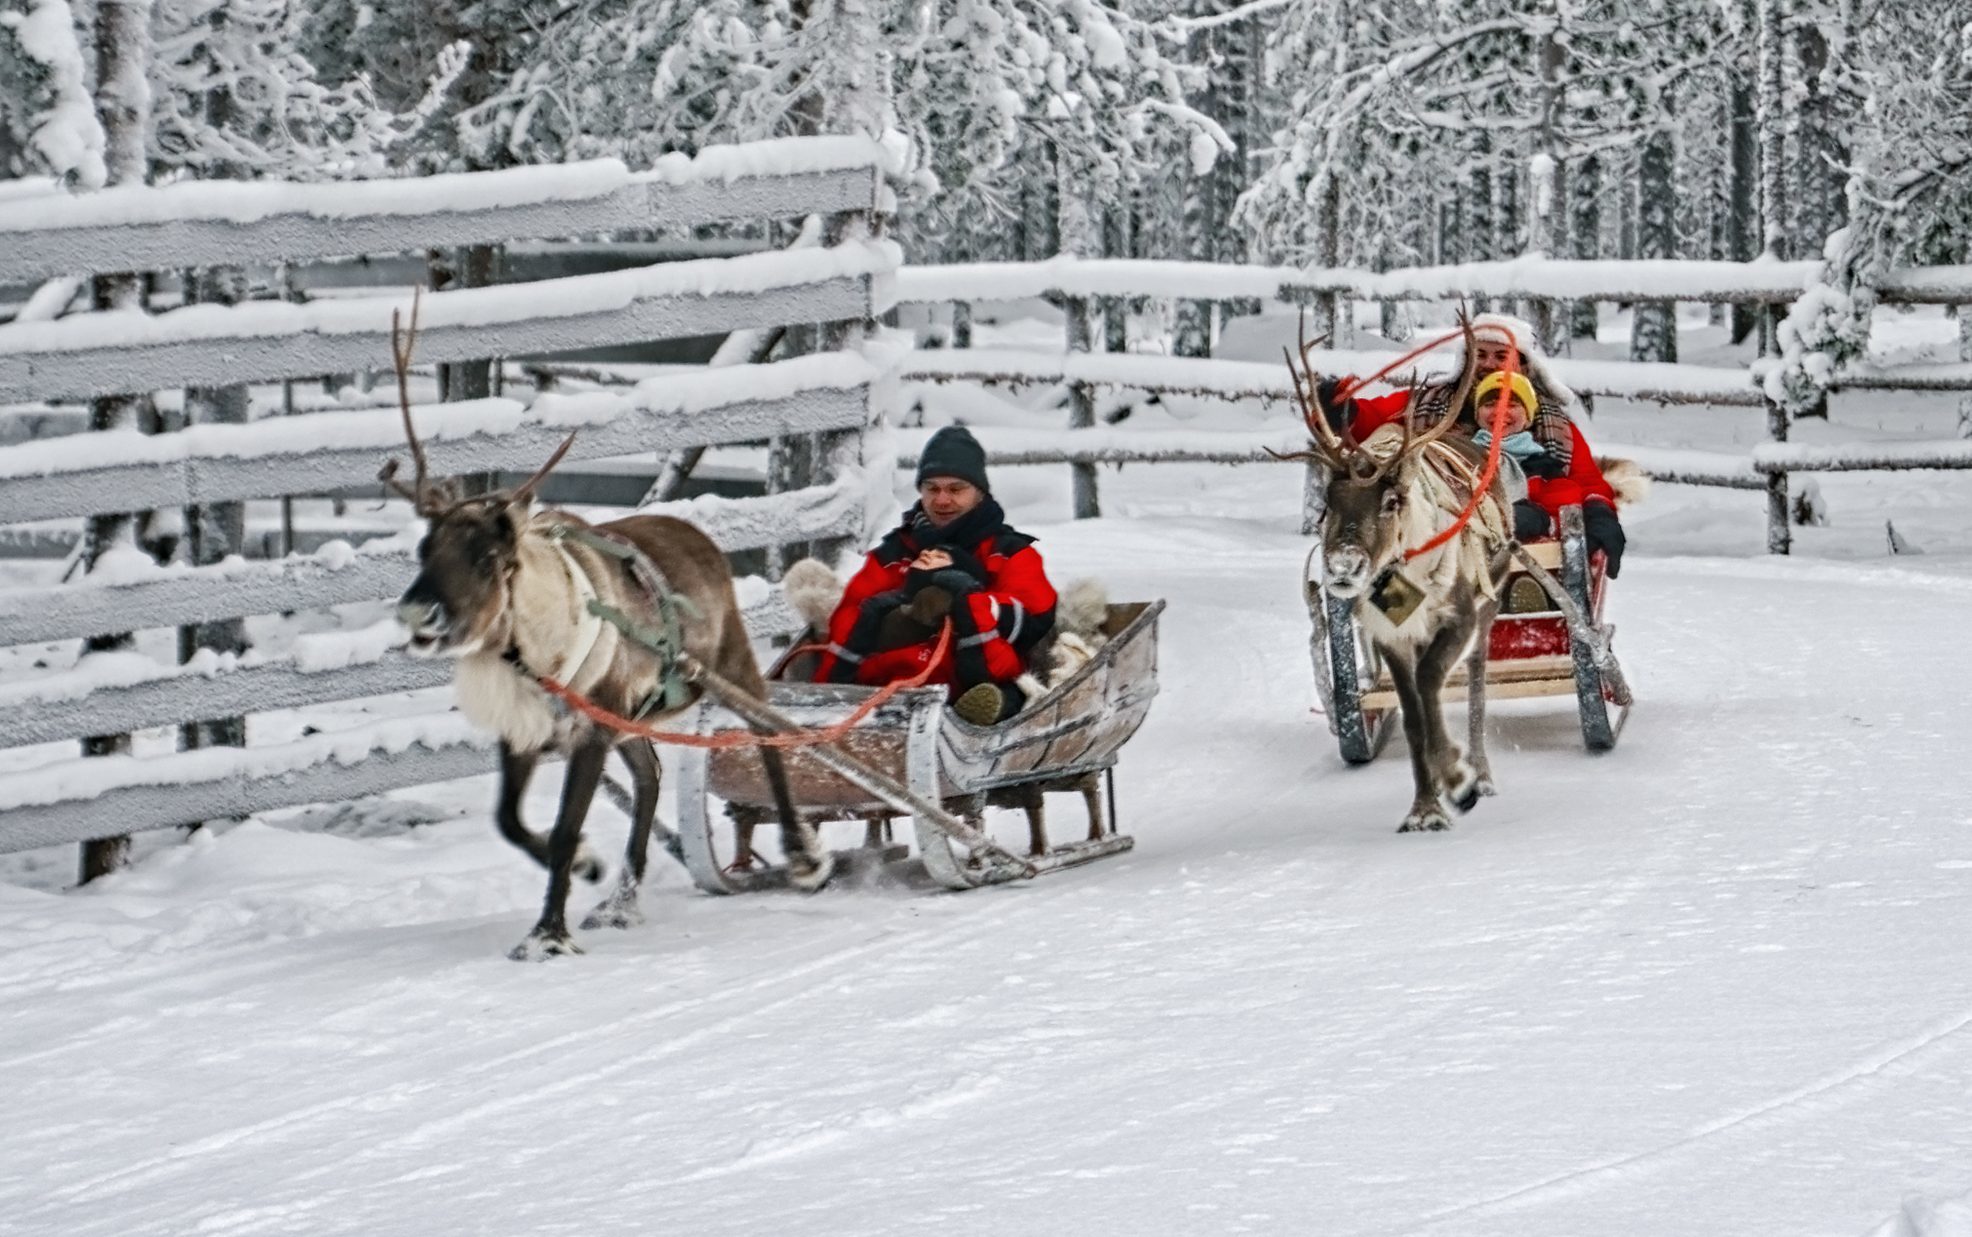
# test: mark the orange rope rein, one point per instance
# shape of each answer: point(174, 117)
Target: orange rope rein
point(1352, 385)
point(1486, 474)
point(721, 742)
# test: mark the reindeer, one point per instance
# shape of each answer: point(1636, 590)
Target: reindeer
point(1387, 497)
point(506, 591)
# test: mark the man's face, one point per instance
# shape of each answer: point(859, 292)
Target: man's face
point(1490, 355)
point(948, 498)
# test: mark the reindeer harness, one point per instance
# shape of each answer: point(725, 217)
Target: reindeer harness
point(665, 640)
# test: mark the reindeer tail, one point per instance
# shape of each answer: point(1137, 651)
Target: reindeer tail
point(1627, 478)
point(813, 590)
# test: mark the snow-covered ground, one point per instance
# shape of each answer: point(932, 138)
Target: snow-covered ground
point(1712, 982)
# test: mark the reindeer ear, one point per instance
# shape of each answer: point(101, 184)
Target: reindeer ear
point(508, 520)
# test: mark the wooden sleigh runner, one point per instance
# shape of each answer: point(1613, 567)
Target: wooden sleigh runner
point(1560, 648)
point(948, 770)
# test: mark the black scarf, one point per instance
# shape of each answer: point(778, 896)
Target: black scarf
point(987, 521)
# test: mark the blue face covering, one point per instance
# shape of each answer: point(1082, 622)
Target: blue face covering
point(1519, 446)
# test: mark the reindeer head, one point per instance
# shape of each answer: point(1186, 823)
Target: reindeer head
point(461, 600)
point(1371, 486)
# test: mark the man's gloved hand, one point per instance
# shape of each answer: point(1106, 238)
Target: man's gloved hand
point(1542, 464)
point(1530, 520)
point(954, 580)
point(1328, 397)
point(1605, 533)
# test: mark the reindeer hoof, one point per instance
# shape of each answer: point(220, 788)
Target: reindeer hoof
point(540, 948)
point(619, 910)
point(811, 876)
point(1486, 787)
point(1430, 821)
point(1462, 788)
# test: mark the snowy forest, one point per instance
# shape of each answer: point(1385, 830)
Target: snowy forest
point(1373, 134)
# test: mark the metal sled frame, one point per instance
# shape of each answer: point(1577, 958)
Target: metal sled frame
point(1066, 740)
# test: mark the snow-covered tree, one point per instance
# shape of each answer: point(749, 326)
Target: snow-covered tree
point(46, 96)
point(1909, 193)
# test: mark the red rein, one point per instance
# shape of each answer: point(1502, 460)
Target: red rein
point(717, 742)
point(1492, 467)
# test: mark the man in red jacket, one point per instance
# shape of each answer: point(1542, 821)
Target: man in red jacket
point(952, 557)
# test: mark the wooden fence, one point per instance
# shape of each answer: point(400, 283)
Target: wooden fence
point(826, 400)
point(1088, 289)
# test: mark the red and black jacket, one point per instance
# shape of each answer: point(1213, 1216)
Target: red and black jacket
point(1581, 481)
point(1002, 603)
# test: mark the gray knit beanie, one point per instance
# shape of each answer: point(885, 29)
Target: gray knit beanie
point(953, 452)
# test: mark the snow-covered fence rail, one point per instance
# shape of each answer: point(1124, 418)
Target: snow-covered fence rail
point(1082, 287)
point(825, 399)
point(233, 224)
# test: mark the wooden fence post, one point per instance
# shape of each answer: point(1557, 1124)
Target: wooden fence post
point(1779, 535)
point(1081, 406)
point(1313, 498)
point(215, 531)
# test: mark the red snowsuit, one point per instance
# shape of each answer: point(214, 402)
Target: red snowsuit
point(993, 626)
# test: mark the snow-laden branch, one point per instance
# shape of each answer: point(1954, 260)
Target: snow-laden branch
point(66, 133)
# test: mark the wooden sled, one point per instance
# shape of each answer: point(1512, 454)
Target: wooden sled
point(1066, 740)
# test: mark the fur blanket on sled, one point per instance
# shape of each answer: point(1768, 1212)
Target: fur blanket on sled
point(1081, 608)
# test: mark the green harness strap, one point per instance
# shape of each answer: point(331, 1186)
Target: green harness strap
point(666, 640)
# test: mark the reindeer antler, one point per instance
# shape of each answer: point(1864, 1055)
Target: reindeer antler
point(1327, 447)
point(402, 344)
point(526, 489)
point(1461, 393)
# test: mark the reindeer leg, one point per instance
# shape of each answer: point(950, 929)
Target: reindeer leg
point(1475, 700)
point(1457, 779)
point(808, 865)
point(1425, 813)
point(1091, 789)
point(620, 909)
point(1034, 802)
point(744, 857)
point(550, 936)
point(516, 770)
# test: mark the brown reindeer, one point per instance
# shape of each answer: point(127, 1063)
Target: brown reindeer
point(1390, 496)
point(507, 591)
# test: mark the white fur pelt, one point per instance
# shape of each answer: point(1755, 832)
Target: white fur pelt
point(1080, 610)
point(1627, 478)
point(814, 590)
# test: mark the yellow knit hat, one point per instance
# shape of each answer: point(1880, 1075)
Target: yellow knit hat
point(1517, 383)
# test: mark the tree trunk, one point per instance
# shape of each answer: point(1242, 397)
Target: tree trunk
point(1585, 189)
point(1819, 156)
point(1742, 216)
point(1771, 119)
point(1654, 328)
point(123, 106)
point(1479, 203)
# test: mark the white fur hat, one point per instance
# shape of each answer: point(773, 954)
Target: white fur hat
point(1521, 334)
